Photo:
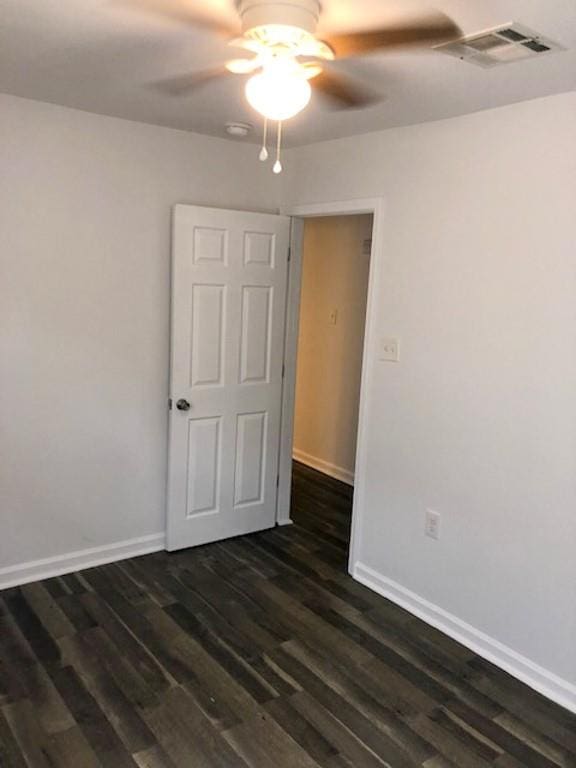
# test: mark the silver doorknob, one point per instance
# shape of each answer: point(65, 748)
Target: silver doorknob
point(183, 405)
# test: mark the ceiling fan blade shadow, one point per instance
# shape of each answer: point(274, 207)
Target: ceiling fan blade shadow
point(426, 31)
point(181, 85)
point(342, 92)
point(181, 11)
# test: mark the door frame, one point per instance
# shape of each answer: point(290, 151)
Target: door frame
point(374, 206)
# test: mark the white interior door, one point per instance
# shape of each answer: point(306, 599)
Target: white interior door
point(229, 278)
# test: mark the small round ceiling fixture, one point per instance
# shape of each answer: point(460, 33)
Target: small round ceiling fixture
point(239, 130)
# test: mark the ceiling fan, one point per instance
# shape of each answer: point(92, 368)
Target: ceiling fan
point(283, 54)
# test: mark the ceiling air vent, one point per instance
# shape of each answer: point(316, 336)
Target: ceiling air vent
point(512, 42)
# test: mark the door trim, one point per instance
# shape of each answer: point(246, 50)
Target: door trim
point(291, 327)
point(376, 207)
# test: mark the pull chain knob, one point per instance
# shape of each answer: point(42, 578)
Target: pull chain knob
point(263, 156)
point(277, 167)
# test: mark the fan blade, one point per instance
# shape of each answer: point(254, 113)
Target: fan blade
point(243, 66)
point(429, 30)
point(249, 45)
point(183, 84)
point(181, 11)
point(343, 93)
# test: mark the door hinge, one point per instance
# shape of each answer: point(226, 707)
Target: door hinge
point(278, 480)
point(289, 253)
point(169, 403)
point(283, 370)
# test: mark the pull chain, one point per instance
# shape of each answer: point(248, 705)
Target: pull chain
point(278, 165)
point(263, 156)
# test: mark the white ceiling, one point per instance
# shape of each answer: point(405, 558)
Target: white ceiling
point(98, 56)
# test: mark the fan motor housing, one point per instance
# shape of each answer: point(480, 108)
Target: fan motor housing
point(302, 14)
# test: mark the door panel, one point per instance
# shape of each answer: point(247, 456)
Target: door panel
point(250, 458)
point(228, 305)
point(207, 342)
point(257, 306)
point(259, 248)
point(203, 465)
point(210, 245)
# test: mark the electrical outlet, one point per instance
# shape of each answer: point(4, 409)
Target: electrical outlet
point(333, 317)
point(432, 524)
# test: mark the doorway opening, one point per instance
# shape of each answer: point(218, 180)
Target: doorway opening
point(335, 270)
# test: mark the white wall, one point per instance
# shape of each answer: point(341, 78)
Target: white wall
point(334, 278)
point(477, 277)
point(84, 302)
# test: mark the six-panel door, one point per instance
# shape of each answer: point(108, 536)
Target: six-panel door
point(229, 277)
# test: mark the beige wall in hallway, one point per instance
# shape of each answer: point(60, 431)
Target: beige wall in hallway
point(334, 278)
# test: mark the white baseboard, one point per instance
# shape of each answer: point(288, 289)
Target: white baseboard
point(15, 575)
point(284, 521)
point(542, 680)
point(339, 473)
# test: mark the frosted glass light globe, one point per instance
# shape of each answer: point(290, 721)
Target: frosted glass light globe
point(278, 93)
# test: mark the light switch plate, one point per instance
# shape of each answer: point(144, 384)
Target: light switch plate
point(333, 317)
point(389, 350)
point(432, 524)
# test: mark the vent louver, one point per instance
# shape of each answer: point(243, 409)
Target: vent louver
point(503, 45)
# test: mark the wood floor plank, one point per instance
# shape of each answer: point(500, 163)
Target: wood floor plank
point(112, 699)
point(338, 761)
point(256, 652)
point(302, 731)
point(262, 743)
point(439, 682)
point(155, 757)
point(486, 727)
point(537, 741)
point(344, 739)
point(369, 700)
point(104, 612)
point(42, 643)
point(11, 755)
point(217, 693)
point(48, 610)
point(223, 654)
point(77, 615)
point(187, 735)
point(70, 749)
point(454, 744)
point(344, 711)
point(96, 728)
point(27, 732)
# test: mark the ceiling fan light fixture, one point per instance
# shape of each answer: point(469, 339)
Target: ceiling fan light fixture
point(278, 93)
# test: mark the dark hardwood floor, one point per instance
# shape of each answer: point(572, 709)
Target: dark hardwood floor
point(257, 652)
